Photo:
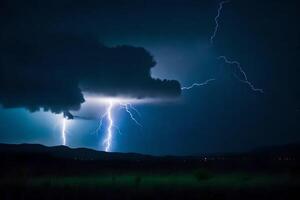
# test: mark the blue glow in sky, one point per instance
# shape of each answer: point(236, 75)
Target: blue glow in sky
point(224, 116)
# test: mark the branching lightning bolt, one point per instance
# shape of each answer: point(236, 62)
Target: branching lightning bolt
point(244, 78)
point(211, 41)
point(226, 60)
point(111, 125)
point(127, 109)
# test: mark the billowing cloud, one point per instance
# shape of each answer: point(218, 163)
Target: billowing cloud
point(52, 72)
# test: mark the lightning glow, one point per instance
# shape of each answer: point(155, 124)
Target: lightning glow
point(126, 103)
point(63, 131)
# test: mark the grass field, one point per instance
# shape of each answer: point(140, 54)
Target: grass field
point(195, 179)
point(129, 176)
point(200, 184)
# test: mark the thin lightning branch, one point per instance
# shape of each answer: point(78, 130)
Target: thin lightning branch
point(217, 21)
point(63, 131)
point(101, 122)
point(211, 41)
point(118, 129)
point(107, 140)
point(198, 84)
point(236, 63)
point(135, 110)
point(127, 109)
point(97, 130)
point(244, 79)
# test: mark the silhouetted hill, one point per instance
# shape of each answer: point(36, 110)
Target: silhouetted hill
point(33, 171)
point(67, 152)
point(290, 150)
point(38, 160)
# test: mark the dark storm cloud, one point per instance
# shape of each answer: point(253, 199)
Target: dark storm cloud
point(52, 72)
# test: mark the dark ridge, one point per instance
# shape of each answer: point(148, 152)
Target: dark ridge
point(90, 154)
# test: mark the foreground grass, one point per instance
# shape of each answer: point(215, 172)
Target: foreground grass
point(188, 180)
point(164, 185)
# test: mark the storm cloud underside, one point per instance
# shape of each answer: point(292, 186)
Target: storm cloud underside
point(52, 72)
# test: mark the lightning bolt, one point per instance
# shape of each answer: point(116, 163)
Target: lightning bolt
point(127, 108)
point(101, 122)
point(135, 110)
point(212, 37)
point(107, 140)
point(244, 78)
point(198, 84)
point(102, 118)
point(63, 131)
point(109, 117)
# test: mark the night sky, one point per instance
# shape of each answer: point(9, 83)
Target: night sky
point(54, 55)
